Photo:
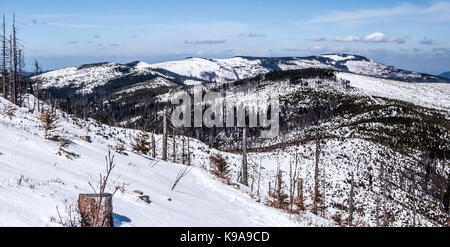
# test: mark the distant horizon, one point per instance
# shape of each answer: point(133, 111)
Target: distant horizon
point(407, 34)
point(154, 61)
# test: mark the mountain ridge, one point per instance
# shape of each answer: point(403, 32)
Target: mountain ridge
point(196, 70)
point(445, 74)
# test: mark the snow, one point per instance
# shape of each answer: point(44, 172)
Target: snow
point(337, 57)
point(86, 78)
point(32, 174)
point(142, 66)
point(197, 70)
point(433, 95)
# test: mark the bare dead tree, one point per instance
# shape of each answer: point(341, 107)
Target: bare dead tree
point(14, 59)
point(21, 81)
point(11, 70)
point(300, 199)
point(316, 175)
point(350, 207)
point(4, 72)
point(153, 145)
point(37, 83)
point(183, 154)
point(414, 196)
point(244, 180)
point(174, 148)
point(278, 195)
point(377, 215)
point(270, 189)
point(188, 152)
point(259, 179)
point(164, 142)
point(383, 188)
point(279, 187)
point(292, 181)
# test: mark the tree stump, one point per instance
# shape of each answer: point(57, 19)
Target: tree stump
point(96, 210)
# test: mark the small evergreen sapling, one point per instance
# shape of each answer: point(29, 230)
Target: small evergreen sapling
point(141, 145)
point(219, 166)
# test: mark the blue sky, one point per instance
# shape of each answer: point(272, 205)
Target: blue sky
point(411, 35)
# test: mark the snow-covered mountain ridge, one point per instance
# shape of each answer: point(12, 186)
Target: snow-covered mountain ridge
point(236, 68)
point(84, 79)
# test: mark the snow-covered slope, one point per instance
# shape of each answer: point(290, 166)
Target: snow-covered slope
point(215, 70)
point(434, 95)
point(84, 79)
point(34, 181)
point(236, 68)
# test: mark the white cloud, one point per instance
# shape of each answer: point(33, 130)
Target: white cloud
point(317, 38)
point(377, 37)
point(404, 9)
point(427, 41)
point(60, 24)
point(253, 35)
point(203, 42)
point(348, 38)
point(441, 51)
point(399, 39)
point(318, 48)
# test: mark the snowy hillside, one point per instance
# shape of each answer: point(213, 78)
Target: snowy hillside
point(375, 128)
point(31, 170)
point(434, 95)
point(236, 68)
point(31, 173)
point(84, 79)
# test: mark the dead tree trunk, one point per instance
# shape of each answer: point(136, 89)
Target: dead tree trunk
point(37, 82)
point(300, 199)
point(377, 215)
point(183, 154)
point(188, 152)
point(3, 40)
point(244, 158)
point(383, 184)
point(14, 59)
point(350, 207)
point(292, 182)
point(11, 70)
point(96, 210)
point(259, 180)
point(164, 147)
point(174, 151)
point(316, 176)
point(414, 201)
point(153, 145)
point(279, 188)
